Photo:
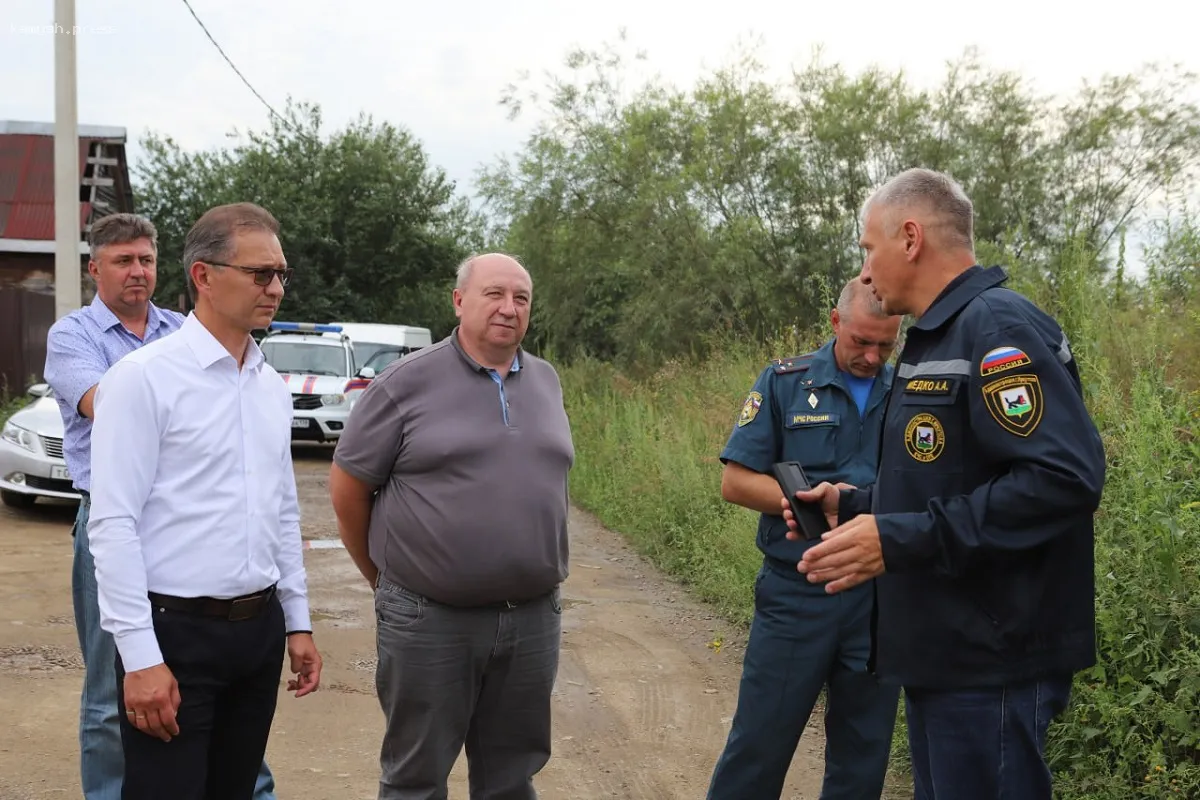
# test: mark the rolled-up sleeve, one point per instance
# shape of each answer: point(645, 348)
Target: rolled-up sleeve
point(128, 434)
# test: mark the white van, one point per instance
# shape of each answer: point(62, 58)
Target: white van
point(377, 345)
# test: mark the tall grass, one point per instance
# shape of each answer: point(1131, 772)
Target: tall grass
point(648, 467)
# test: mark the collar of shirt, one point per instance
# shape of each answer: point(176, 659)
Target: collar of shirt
point(960, 291)
point(516, 362)
point(107, 320)
point(824, 370)
point(209, 351)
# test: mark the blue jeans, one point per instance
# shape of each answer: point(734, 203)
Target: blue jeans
point(802, 640)
point(101, 759)
point(983, 744)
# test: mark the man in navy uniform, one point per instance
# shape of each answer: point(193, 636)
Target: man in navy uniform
point(978, 531)
point(823, 410)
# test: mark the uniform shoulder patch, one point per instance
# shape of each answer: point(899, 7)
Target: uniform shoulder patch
point(749, 409)
point(793, 364)
point(1002, 359)
point(1015, 402)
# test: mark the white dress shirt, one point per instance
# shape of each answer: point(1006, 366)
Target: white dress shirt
point(193, 493)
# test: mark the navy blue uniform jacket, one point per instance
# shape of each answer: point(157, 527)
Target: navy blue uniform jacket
point(990, 471)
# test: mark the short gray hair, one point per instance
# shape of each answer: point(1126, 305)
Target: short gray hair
point(856, 292)
point(121, 229)
point(463, 272)
point(936, 193)
point(211, 238)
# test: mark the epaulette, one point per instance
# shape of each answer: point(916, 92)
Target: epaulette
point(793, 364)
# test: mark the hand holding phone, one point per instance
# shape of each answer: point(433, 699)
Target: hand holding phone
point(809, 516)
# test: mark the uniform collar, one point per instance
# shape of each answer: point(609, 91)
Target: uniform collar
point(209, 351)
point(960, 291)
point(824, 371)
point(108, 320)
point(475, 365)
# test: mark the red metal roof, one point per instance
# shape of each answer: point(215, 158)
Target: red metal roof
point(27, 186)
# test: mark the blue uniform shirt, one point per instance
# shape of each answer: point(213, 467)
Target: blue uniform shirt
point(803, 409)
point(861, 389)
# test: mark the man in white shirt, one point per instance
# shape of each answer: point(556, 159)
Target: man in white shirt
point(196, 535)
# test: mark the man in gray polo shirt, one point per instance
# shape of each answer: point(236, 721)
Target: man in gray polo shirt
point(465, 543)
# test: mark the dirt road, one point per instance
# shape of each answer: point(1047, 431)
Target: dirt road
point(642, 704)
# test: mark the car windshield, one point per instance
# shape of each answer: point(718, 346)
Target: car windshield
point(364, 352)
point(299, 358)
point(384, 357)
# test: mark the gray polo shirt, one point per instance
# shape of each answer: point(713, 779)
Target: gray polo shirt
point(472, 475)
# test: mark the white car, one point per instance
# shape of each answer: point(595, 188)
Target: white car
point(317, 364)
point(327, 368)
point(31, 453)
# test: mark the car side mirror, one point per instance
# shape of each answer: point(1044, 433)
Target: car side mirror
point(39, 389)
point(367, 372)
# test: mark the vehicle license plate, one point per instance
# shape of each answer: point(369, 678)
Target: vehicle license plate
point(299, 423)
point(60, 474)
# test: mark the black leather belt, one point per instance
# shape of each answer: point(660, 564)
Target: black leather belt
point(509, 604)
point(235, 609)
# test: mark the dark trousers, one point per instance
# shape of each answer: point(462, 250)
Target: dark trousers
point(983, 744)
point(228, 674)
point(453, 676)
point(801, 640)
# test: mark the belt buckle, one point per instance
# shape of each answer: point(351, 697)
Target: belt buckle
point(243, 608)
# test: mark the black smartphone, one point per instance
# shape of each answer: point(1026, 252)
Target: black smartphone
point(809, 516)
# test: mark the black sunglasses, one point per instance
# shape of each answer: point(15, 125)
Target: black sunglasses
point(262, 275)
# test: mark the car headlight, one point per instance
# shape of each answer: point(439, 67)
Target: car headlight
point(332, 399)
point(20, 437)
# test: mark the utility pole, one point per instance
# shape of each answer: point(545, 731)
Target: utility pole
point(67, 278)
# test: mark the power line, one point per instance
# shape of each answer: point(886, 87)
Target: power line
point(231, 64)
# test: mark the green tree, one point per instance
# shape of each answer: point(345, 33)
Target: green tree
point(655, 217)
point(371, 228)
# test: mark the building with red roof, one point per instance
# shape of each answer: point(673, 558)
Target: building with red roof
point(27, 232)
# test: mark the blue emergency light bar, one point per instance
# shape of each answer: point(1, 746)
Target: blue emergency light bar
point(308, 327)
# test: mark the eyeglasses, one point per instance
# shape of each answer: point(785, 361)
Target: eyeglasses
point(262, 275)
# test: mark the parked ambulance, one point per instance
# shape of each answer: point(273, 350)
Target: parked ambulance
point(328, 366)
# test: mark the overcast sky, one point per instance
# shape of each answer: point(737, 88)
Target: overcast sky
point(439, 68)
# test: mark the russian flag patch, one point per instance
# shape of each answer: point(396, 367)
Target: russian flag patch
point(1002, 359)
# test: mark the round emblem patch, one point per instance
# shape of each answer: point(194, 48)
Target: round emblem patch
point(923, 438)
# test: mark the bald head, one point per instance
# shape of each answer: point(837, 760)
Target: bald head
point(487, 262)
point(492, 299)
